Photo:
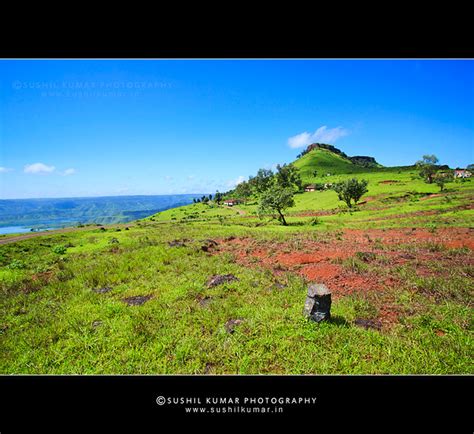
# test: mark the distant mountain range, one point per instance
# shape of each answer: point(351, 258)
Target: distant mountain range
point(55, 213)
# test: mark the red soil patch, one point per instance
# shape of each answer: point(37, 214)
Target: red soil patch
point(319, 260)
point(449, 237)
point(321, 272)
point(430, 196)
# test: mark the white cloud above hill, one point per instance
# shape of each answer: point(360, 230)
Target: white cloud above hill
point(321, 135)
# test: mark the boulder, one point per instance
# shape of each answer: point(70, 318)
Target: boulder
point(317, 306)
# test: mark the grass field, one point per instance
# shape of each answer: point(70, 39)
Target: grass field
point(400, 267)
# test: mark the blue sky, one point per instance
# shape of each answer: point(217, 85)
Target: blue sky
point(115, 127)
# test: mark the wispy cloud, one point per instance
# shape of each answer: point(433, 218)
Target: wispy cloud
point(38, 168)
point(70, 171)
point(321, 135)
point(5, 169)
point(234, 182)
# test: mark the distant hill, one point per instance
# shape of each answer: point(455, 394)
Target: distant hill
point(53, 213)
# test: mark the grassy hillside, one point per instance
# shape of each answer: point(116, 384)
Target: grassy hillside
point(327, 162)
point(400, 267)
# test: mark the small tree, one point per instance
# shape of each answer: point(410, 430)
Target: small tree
point(427, 167)
point(277, 199)
point(351, 189)
point(441, 179)
point(470, 167)
point(287, 176)
point(262, 181)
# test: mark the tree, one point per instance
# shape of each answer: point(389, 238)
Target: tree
point(277, 199)
point(218, 197)
point(351, 189)
point(427, 167)
point(243, 190)
point(288, 176)
point(441, 179)
point(262, 181)
point(470, 167)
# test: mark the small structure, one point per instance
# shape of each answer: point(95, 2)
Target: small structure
point(462, 173)
point(231, 202)
point(317, 307)
point(310, 187)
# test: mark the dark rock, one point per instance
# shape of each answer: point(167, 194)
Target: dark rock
point(231, 324)
point(368, 323)
point(137, 300)
point(208, 245)
point(177, 243)
point(219, 279)
point(102, 290)
point(317, 306)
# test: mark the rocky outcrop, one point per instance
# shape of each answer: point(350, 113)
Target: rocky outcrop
point(361, 160)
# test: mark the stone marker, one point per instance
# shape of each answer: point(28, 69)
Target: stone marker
point(318, 303)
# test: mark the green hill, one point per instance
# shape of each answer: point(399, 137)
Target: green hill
point(334, 162)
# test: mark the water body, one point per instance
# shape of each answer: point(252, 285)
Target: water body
point(22, 215)
point(14, 230)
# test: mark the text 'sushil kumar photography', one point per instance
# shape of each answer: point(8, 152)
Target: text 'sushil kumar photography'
point(236, 216)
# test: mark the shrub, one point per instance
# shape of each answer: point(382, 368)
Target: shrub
point(60, 249)
point(16, 264)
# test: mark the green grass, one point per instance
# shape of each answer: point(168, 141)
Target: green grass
point(51, 327)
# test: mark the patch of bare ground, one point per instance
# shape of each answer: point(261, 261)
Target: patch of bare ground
point(464, 207)
point(325, 260)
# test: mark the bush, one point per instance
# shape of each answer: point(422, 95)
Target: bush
point(16, 264)
point(60, 249)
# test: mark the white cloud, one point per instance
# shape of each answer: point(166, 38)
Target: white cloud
point(70, 171)
point(38, 168)
point(5, 169)
point(321, 135)
point(234, 182)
